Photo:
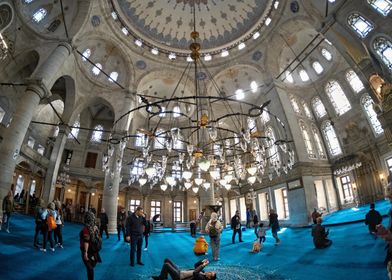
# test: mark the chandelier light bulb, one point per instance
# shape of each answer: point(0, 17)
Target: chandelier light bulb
point(212, 131)
point(142, 181)
point(204, 164)
point(223, 182)
point(150, 171)
point(198, 181)
point(252, 170)
point(195, 189)
point(187, 185)
point(164, 187)
point(227, 186)
point(228, 178)
point(187, 174)
point(206, 185)
point(171, 181)
point(252, 180)
point(215, 174)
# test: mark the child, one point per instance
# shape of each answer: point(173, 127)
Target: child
point(261, 233)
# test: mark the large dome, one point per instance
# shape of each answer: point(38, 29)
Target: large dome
point(167, 24)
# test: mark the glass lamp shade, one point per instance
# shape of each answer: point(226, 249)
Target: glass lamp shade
point(164, 187)
point(187, 185)
point(215, 174)
point(206, 185)
point(228, 178)
point(223, 182)
point(171, 181)
point(198, 181)
point(252, 170)
point(252, 180)
point(227, 186)
point(212, 131)
point(187, 174)
point(195, 189)
point(150, 171)
point(204, 164)
point(142, 181)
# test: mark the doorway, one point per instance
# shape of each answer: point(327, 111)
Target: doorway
point(192, 214)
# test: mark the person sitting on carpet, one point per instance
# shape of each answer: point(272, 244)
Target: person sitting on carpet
point(201, 246)
point(320, 235)
point(169, 268)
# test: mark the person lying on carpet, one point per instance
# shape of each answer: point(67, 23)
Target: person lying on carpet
point(169, 268)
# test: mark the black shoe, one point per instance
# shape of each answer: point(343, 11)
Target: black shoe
point(36, 246)
point(241, 241)
point(140, 263)
point(132, 264)
point(156, 277)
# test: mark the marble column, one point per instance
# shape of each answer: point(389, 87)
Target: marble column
point(207, 198)
point(54, 164)
point(113, 173)
point(36, 90)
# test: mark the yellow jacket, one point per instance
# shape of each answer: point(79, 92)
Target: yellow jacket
point(201, 246)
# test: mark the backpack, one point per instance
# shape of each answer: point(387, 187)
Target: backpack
point(51, 222)
point(213, 232)
point(95, 244)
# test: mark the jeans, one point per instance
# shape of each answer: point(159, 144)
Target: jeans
point(193, 230)
point(146, 240)
point(6, 219)
point(89, 267)
point(38, 229)
point(58, 235)
point(136, 247)
point(262, 239)
point(47, 234)
point(215, 244)
point(239, 235)
point(120, 227)
point(169, 268)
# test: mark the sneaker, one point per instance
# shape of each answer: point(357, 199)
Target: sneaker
point(140, 263)
point(43, 250)
point(61, 246)
point(145, 249)
point(7, 231)
point(52, 249)
point(57, 245)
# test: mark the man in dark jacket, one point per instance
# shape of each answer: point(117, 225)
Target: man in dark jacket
point(320, 235)
point(236, 226)
point(373, 218)
point(169, 268)
point(121, 216)
point(103, 217)
point(134, 234)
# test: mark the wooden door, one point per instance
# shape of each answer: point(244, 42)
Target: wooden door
point(192, 214)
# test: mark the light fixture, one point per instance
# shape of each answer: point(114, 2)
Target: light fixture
point(138, 43)
point(187, 185)
point(142, 181)
point(268, 21)
point(194, 130)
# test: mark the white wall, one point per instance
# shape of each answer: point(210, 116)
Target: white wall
point(263, 214)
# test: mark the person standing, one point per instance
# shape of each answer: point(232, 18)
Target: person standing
point(104, 220)
point(38, 211)
point(192, 225)
point(8, 208)
point(121, 216)
point(236, 226)
point(372, 219)
point(49, 217)
point(255, 222)
point(274, 225)
point(248, 217)
point(58, 234)
point(146, 232)
point(214, 229)
point(320, 235)
point(315, 215)
point(134, 234)
point(89, 248)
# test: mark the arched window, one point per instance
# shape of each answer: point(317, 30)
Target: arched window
point(178, 144)
point(327, 55)
point(318, 107)
point(19, 184)
point(273, 152)
point(354, 81)
point(97, 134)
point(317, 67)
point(160, 138)
point(253, 86)
point(308, 142)
point(337, 97)
point(308, 113)
point(367, 104)
point(39, 15)
point(137, 167)
point(86, 54)
point(294, 104)
point(74, 130)
point(32, 187)
point(331, 139)
point(27, 1)
point(113, 77)
point(381, 6)
point(319, 144)
point(289, 77)
point(383, 47)
point(360, 25)
point(97, 69)
point(303, 75)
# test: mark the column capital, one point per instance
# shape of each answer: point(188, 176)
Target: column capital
point(38, 87)
point(66, 45)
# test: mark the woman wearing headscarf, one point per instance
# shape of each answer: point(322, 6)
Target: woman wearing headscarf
point(47, 231)
point(214, 229)
point(90, 244)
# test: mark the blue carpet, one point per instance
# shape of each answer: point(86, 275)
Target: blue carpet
point(353, 255)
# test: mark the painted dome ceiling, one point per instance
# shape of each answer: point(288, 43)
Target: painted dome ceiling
point(168, 24)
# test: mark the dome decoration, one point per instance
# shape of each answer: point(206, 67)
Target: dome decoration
point(166, 25)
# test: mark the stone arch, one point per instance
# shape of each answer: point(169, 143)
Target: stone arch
point(64, 89)
point(6, 16)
